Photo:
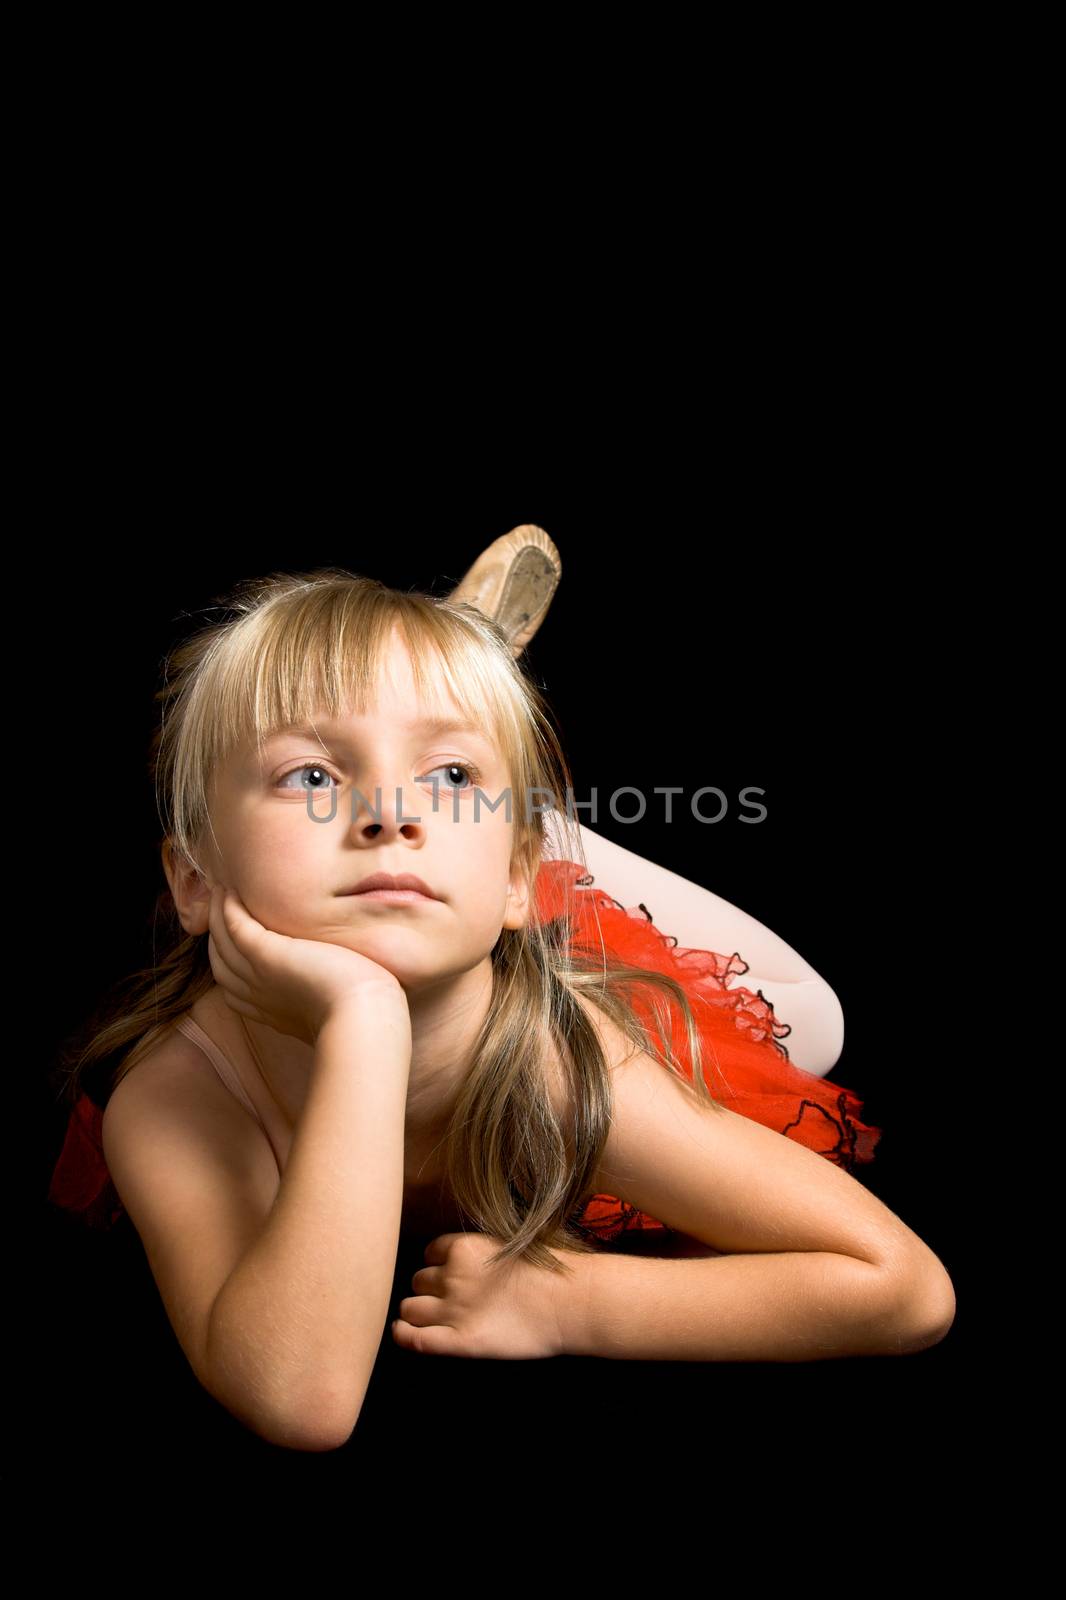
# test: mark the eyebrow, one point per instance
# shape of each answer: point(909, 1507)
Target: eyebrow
point(430, 725)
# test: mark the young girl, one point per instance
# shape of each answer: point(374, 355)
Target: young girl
point(492, 1053)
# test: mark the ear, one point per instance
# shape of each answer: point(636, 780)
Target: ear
point(190, 888)
point(519, 899)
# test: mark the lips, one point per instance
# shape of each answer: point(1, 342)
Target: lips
point(388, 880)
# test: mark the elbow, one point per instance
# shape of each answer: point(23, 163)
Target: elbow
point(316, 1441)
point(324, 1421)
point(939, 1314)
point(312, 1404)
point(313, 1431)
point(309, 1405)
point(313, 1422)
point(925, 1313)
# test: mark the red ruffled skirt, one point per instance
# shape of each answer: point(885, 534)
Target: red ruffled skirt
point(745, 1066)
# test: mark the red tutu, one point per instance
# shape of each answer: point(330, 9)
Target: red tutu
point(745, 1066)
point(81, 1183)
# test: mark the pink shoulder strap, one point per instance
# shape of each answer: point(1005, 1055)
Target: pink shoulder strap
point(222, 1065)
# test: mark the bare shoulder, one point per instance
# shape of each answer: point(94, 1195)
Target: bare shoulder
point(616, 1044)
point(618, 1049)
point(174, 1066)
point(174, 1101)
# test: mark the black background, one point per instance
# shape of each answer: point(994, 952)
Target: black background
point(734, 611)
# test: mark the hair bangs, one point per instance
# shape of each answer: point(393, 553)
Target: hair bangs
point(319, 650)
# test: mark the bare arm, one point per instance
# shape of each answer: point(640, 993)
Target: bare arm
point(812, 1264)
point(295, 1329)
point(790, 1306)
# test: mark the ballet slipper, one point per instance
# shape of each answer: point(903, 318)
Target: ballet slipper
point(513, 582)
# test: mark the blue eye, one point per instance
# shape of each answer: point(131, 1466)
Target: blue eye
point(473, 775)
point(458, 766)
point(310, 766)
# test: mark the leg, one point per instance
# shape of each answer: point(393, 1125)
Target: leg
point(701, 920)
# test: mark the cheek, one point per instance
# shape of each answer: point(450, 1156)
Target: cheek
point(480, 860)
point(487, 846)
point(276, 863)
point(278, 837)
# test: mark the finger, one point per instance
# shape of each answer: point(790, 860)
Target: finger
point(440, 1341)
point(245, 1009)
point(225, 976)
point(223, 931)
point(224, 955)
point(437, 1249)
point(422, 1310)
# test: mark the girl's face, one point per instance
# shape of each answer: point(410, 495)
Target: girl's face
point(294, 872)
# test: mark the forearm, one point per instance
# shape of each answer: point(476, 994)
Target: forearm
point(787, 1306)
point(296, 1327)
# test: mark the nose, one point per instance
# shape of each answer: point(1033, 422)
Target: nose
point(389, 810)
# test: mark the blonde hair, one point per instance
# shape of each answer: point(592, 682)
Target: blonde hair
point(287, 647)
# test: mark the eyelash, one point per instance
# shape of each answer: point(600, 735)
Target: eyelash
point(320, 766)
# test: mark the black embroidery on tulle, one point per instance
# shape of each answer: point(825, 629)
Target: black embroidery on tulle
point(843, 1152)
point(776, 1030)
point(774, 1022)
point(625, 1218)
